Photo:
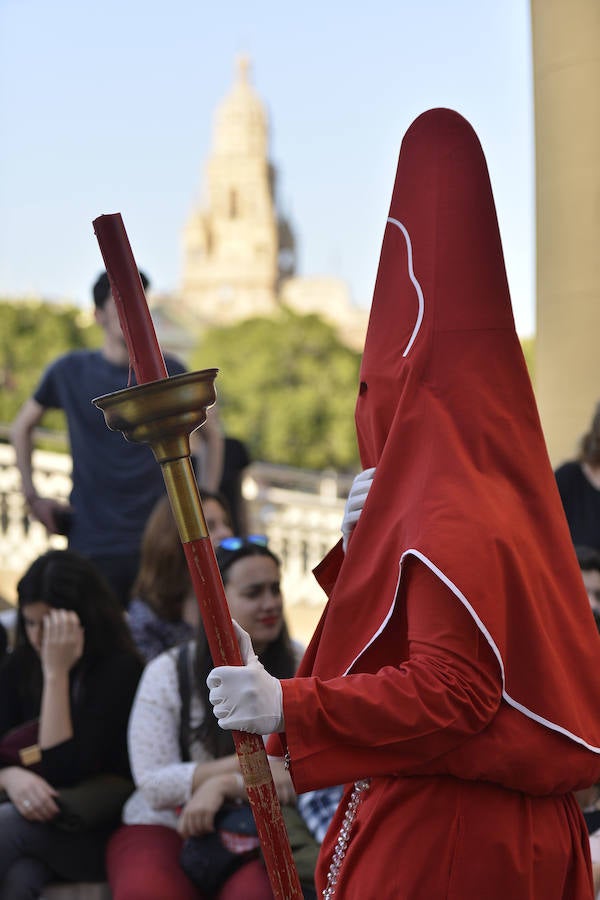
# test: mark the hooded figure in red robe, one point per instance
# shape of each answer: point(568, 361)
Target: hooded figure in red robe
point(453, 681)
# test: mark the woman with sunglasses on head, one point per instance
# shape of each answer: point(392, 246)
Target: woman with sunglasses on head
point(164, 609)
point(75, 667)
point(184, 776)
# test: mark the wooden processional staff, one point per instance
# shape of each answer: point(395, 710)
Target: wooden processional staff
point(162, 412)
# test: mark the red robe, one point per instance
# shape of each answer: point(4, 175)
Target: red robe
point(456, 663)
point(468, 799)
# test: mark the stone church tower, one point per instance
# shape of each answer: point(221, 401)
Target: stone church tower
point(237, 249)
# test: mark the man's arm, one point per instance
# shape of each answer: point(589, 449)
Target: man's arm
point(21, 435)
point(207, 444)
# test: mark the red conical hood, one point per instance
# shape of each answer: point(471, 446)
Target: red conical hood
point(447, 415)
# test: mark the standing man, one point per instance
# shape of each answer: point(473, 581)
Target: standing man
point(115, 483)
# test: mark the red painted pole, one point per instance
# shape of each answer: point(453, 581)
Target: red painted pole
point(148, 363)
point(249, 747)
point(145, 354)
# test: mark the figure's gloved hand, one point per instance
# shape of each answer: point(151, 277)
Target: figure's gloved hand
point(246, 698)
point(355, 502)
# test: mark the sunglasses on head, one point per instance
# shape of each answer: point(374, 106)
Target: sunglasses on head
point(236, 543)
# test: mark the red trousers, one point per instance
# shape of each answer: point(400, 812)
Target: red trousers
point(142, 863)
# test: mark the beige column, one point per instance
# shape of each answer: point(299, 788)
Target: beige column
point(566, 62)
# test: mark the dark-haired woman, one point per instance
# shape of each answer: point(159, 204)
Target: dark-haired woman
point(176, 799)
point(579, 488)
point(75, 667)
point(164, 609)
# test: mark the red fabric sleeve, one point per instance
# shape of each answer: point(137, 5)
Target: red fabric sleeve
point(405, 714)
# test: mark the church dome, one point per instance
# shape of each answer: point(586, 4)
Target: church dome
point(241, 126)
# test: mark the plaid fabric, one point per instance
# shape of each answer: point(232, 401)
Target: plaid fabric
point(317, 809)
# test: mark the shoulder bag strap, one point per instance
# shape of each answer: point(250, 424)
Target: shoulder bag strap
point(183, 678)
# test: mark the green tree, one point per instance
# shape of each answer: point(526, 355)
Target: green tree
point(528, 345)
point(287, 387)
point(32, 334)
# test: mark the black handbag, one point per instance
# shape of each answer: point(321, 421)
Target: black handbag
point(94, 803)
point(210, 859)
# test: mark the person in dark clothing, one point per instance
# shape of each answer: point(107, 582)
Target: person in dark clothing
point(589, 563)
point(235, 461)
point(75, 667)
point(578, 483)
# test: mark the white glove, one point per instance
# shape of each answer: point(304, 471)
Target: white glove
point(246, 698)
point(355, 502)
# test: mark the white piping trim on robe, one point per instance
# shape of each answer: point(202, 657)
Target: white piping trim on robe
point(458, 593)
point(416, 284)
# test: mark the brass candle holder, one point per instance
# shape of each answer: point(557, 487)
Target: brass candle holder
point(164, 414)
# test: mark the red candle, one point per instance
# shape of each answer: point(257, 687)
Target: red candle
point(145, 354)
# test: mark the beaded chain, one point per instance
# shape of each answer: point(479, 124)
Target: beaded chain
point(344, 837)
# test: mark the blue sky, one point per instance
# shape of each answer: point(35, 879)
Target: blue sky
point(107, 107)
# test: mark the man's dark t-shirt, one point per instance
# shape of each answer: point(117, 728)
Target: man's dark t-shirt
point(115, 483)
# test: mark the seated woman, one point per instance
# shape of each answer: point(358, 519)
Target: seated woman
point(164, 610)
point(578, 482)
point(176, 798)
point(75, 667)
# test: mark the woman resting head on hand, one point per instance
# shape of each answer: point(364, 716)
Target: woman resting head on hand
point(75, 670)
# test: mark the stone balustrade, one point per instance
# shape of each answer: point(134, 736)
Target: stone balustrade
point(299, 511)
